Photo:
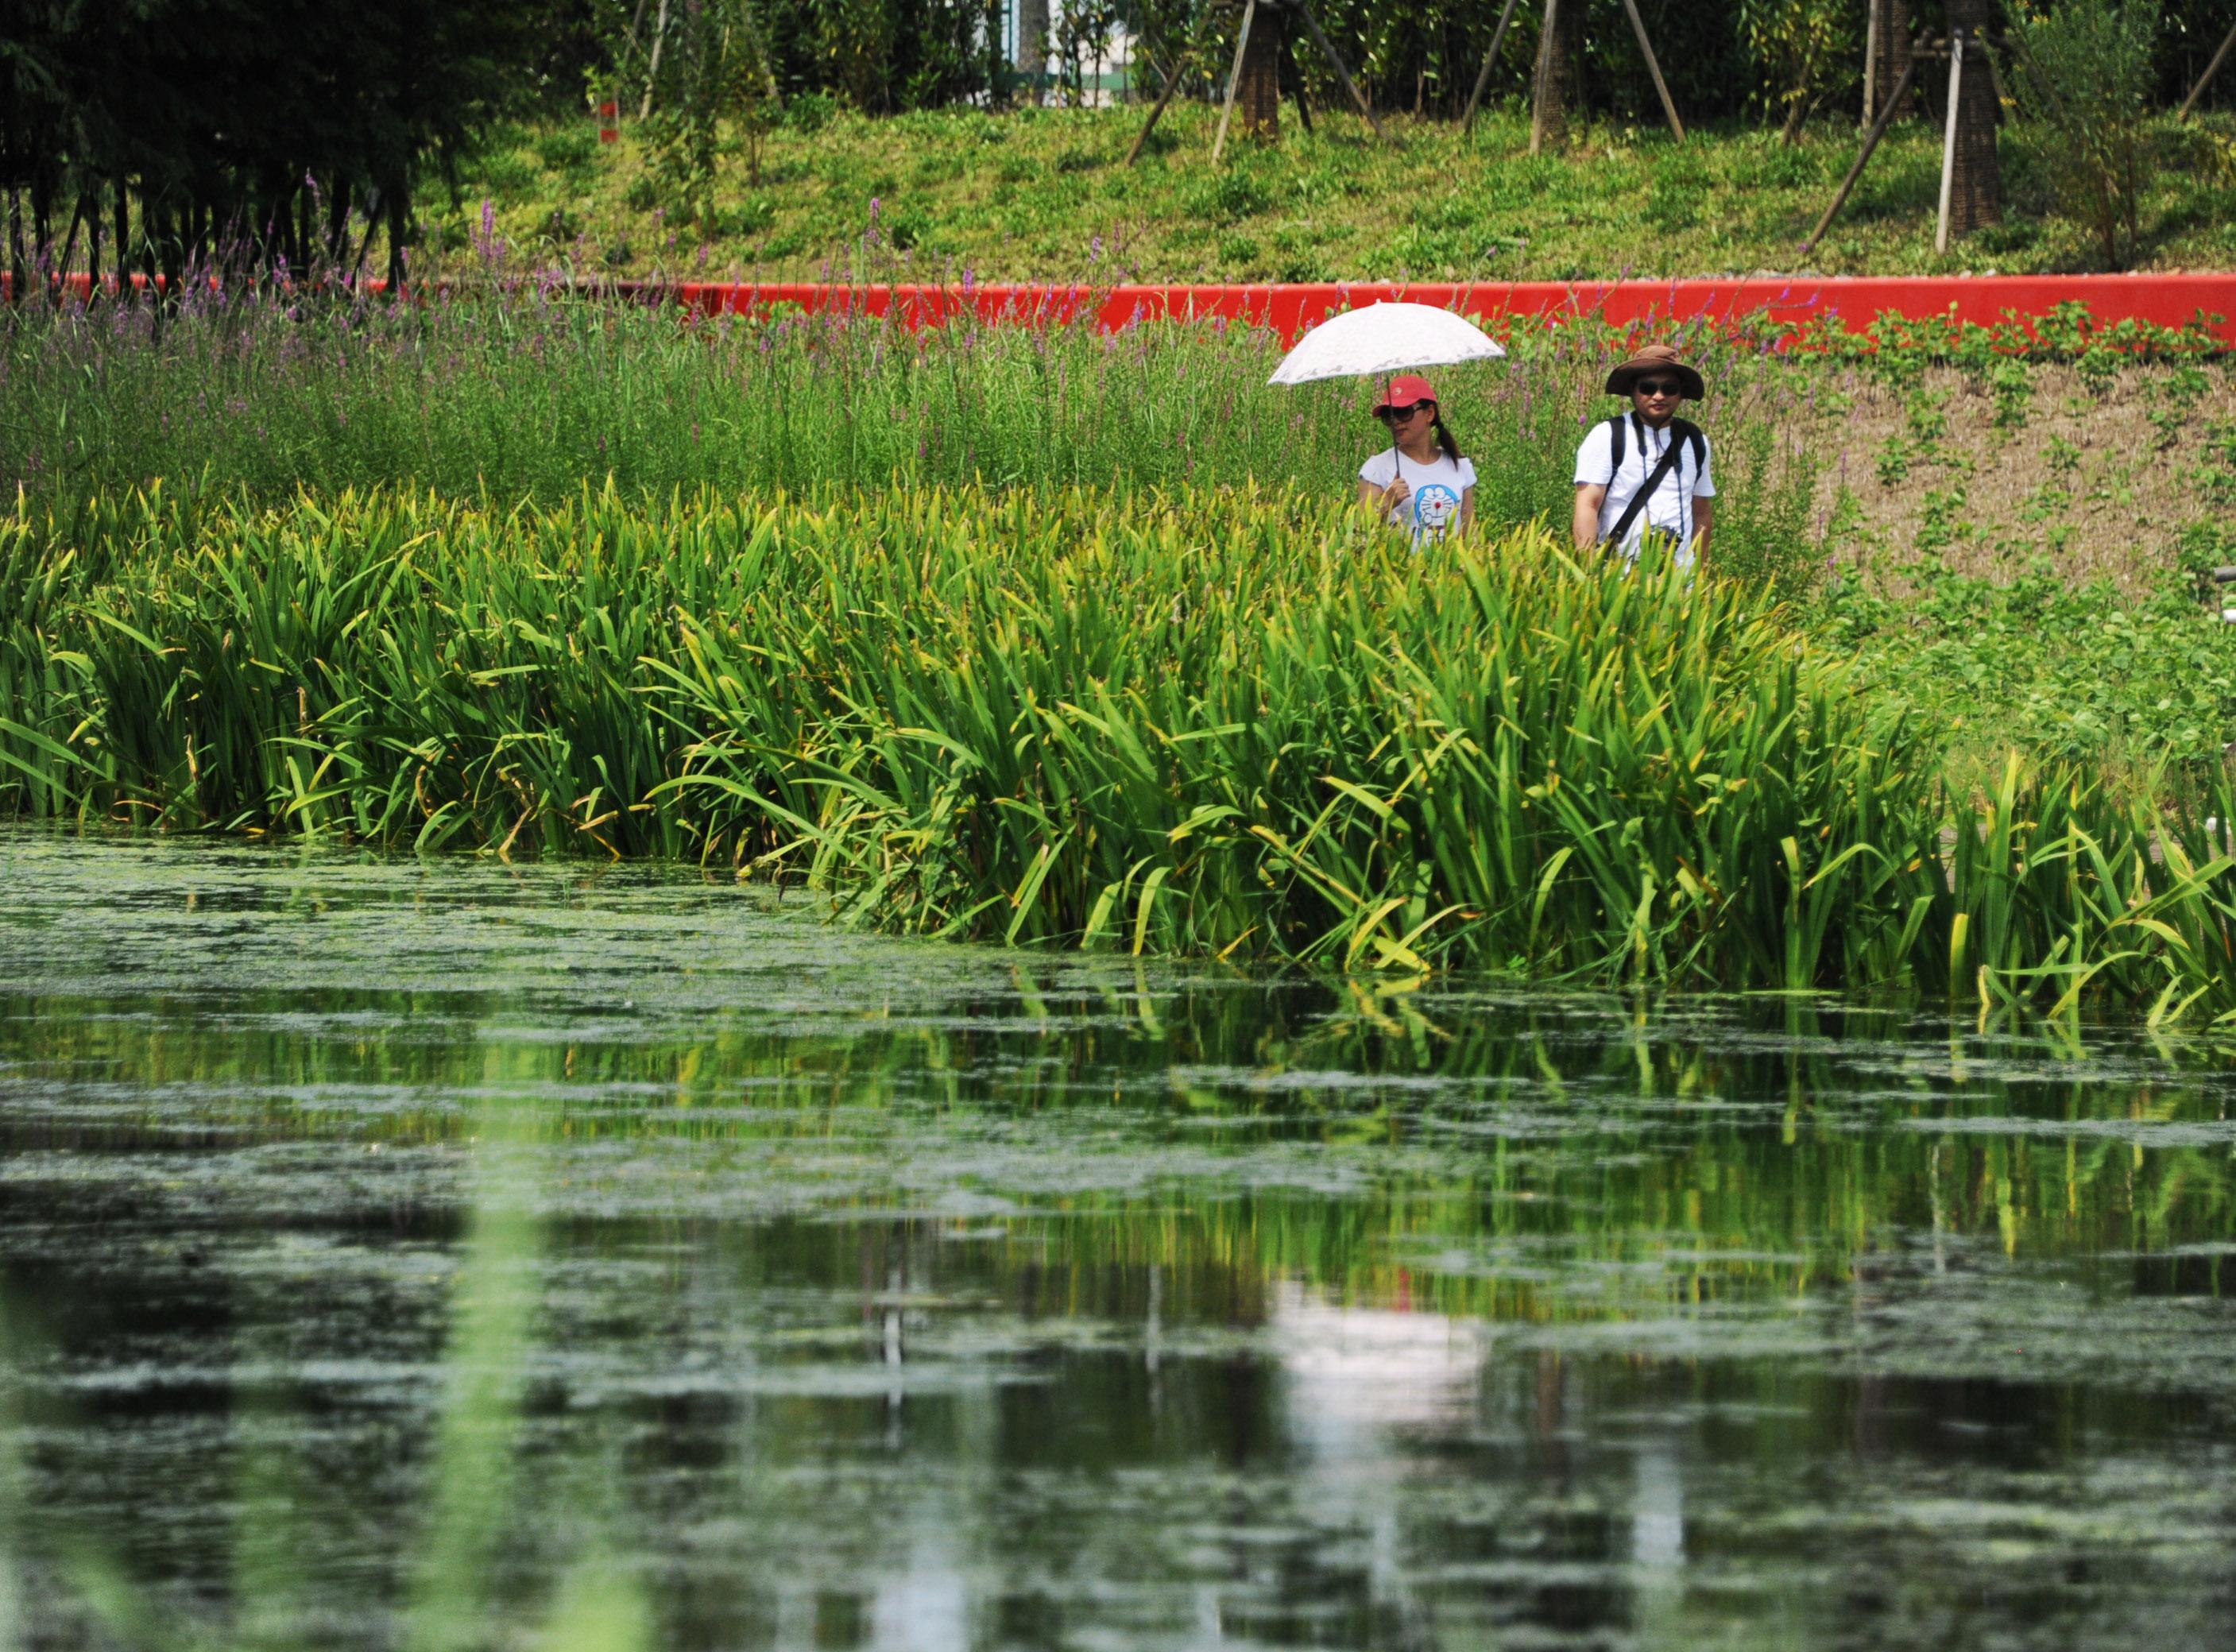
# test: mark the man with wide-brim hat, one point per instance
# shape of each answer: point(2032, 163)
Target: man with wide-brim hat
point(1647, 470)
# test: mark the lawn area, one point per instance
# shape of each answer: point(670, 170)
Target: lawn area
point(1034, 193)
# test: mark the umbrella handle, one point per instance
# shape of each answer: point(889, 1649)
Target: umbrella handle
point(1397, 473)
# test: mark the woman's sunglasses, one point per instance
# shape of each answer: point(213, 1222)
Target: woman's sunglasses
point(1393, 414)
point(1658, 387)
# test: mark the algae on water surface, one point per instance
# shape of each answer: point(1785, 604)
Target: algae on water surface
point(832, 1290)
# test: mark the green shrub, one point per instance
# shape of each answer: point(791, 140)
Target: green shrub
point(810, 112)
point(2087, 79)
point(1679, 192)
point(568, 149)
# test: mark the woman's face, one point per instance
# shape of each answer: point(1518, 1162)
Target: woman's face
point(1410, 424)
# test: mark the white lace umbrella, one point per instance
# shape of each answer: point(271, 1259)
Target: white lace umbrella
point(1385, 338)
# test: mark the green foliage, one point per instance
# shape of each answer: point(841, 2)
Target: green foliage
point(529, 392)
point(716, 73)
point(1021, 193)
point(1793, 44)
point(1209, 723)
point(2123, 682)
point(2087, 78)
point(809, 113)
point(569, 150)
point(246, 132)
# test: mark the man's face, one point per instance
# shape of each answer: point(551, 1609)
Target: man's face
point(1655, 395)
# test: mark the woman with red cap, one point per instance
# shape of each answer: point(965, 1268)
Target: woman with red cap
point(1420, 482)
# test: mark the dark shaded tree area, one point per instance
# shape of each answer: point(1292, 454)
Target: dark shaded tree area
point(154, 135)
point(161, 135)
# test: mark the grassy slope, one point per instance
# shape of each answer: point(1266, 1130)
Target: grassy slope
point(1030, 193)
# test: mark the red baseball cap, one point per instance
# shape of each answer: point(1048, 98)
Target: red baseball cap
point(1404, 389)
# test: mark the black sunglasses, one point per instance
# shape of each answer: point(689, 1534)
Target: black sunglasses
point(1393, 414)
point(1658, 387)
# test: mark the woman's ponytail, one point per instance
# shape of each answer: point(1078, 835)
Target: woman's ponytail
point(1444, 437)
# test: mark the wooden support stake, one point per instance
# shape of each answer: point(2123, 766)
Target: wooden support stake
point(2205, 79)
point(1312, 26)
point(1871, 61)
point(1233, 80)
point(1871, 142)
point(1164, 101)
point(1949, 137)
point(1544, 74)
point(1489, 58)
point(1668, 108)
point(651, 75)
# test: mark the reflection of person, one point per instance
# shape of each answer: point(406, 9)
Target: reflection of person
point(1420, 482)
point(1632, 452)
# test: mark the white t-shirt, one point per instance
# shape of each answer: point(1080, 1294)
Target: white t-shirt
point(1439, 489)
point(1670, 509)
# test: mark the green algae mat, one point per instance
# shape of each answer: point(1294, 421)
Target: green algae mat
point(441, 1253)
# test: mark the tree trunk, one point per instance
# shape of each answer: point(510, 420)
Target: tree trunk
point(1976, 195)
point(120, 248)
point(1796, 115)
point(1549, 125)
point(1257, 94)
point(1894, 53)
point(68, 253)
point(399, 224)
point(18, 269)
point(1032, 44)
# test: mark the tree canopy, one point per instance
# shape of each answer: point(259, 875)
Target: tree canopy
point(192, 131)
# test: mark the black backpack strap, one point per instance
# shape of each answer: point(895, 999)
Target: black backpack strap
point(1662, 467)
point(1686, 431)
point(1616, 433)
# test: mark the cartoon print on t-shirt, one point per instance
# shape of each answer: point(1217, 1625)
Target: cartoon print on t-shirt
point(1434, 507)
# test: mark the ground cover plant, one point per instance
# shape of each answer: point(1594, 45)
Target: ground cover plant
point(1035, 193)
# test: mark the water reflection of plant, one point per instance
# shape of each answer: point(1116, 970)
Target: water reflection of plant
point(1480, 1154)
point(462, 1584)
point(1749, 1184)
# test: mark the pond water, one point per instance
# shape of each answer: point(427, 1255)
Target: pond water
point(432, 1252)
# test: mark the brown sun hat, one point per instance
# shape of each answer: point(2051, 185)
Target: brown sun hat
point(1656, 358)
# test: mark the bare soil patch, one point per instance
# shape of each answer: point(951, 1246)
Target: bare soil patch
point(2086, 478)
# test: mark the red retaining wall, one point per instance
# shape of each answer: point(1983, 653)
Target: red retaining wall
point(2165, 300)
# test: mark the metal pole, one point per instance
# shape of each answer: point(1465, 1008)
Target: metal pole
point(1668, 108)
point(1490, 57)
point(1871, 59)
point(1233, 79)
point(1948, 136)
point(1879, 130)
point(1539, 85)
point(2205, 79)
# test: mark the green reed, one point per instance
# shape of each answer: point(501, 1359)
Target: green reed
point(524, 393)
point(1231, 722)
